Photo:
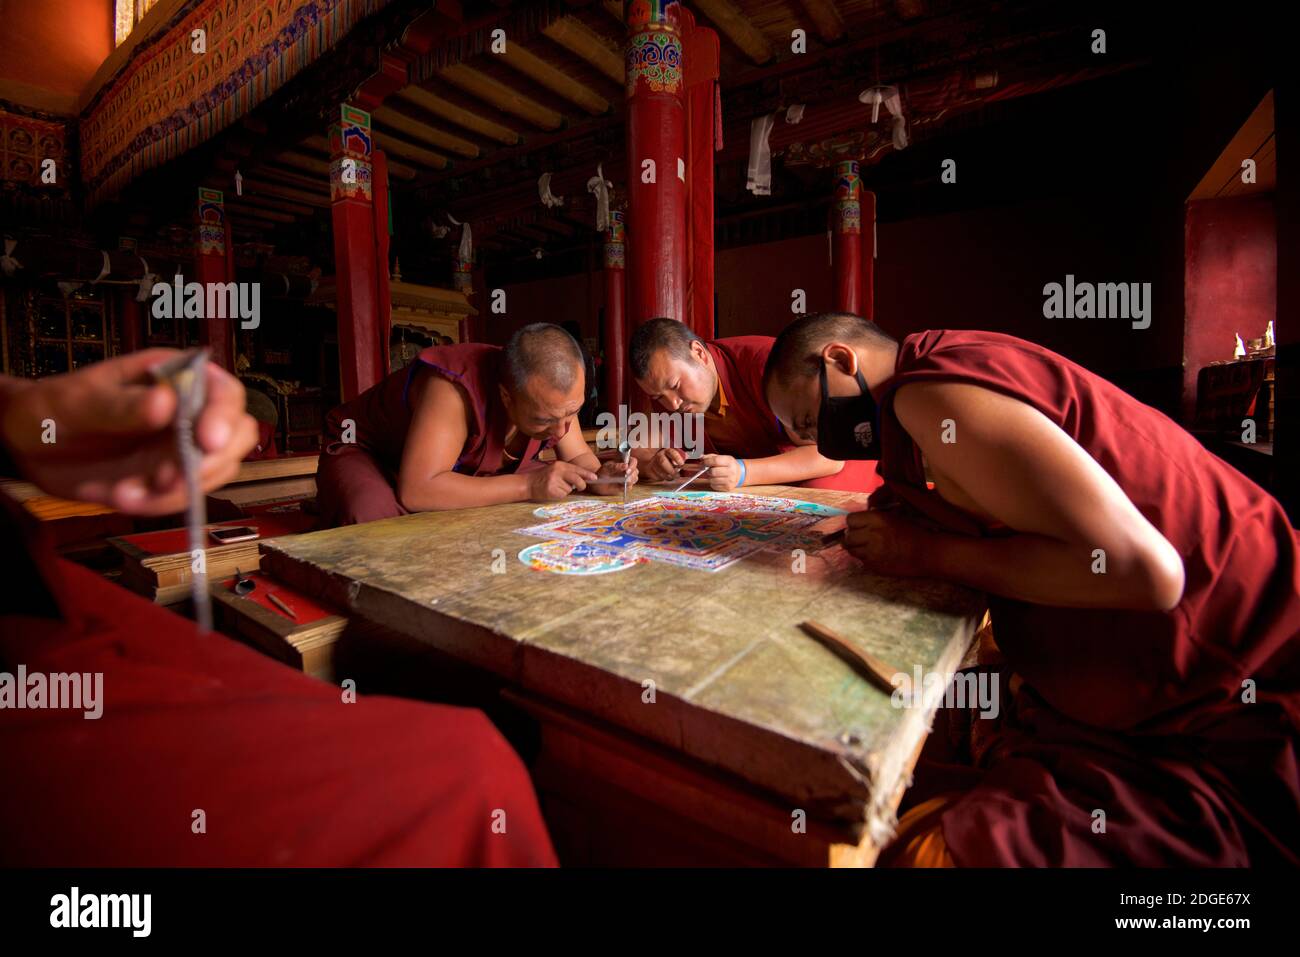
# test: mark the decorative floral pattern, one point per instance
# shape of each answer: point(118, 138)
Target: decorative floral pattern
point(654, 62)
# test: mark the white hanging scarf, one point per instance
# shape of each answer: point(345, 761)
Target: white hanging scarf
point(549, 199)
point(7, 261)
point(600, 187)
point(758, 177)
point(147, 280)
point(466, 252)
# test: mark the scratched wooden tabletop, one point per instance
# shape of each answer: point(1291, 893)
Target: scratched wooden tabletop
point(736, 683)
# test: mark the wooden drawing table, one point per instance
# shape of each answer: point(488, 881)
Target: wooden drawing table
point(685, 707)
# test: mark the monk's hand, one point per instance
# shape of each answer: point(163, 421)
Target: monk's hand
point(557, 480)
point(889, 544)
point(615, 469)
point(724, 472)
point(663, 465)
point(106, 433)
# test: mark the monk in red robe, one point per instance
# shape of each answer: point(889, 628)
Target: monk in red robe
point(463, 426)
point(1145, 595)
point(743, 441)
point(204, 752)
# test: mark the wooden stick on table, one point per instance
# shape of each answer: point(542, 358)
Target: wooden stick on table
point(868, 665)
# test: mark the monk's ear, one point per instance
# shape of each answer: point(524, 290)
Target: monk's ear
point(841, 357)
point(700, 353)
point(506, 398)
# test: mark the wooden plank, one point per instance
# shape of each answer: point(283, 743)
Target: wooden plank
point(396, 146)
point(557, 81)
point(505, 98)
point(284, 191)
point(282, 467)
point(242, 211)
point(593, 766)
point(737, 28)
point(269, 202)
point(389, 117)
point(737, 684)
point(462, 117)
point(580, 40)
point(827, 20)
point(302, 161)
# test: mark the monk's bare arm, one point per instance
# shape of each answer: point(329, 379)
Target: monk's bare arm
point(794, 465)
point(572, 447)
point(425, 481)
point(1017, 466)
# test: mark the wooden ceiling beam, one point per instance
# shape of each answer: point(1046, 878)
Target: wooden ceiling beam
point(531, 232)
point(400, 170)
point(387, 116)
point(502, 97)
point(301, 161)
point(239, 211)
point(311, 184)
point(466, 119)
point(582, 41)
point(395, 146)
point(827, 20)
point(737, 28)
point(287, 192)
point(256, 199)
point(554, 79)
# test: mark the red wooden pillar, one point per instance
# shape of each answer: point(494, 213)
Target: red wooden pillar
point(463, 280)
point(383, 291)
point(615, 332)
point(656, 151)
point(363, 346)
point(868, 205)
point(212, 265)
point(846, 228)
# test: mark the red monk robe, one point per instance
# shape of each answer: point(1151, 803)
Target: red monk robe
point(356, 480)
point(285, 773)
point(1139, 715)
point(741, 424)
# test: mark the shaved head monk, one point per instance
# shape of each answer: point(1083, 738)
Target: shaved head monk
point(743, 441)
point(1145, 594)
point(461, 427)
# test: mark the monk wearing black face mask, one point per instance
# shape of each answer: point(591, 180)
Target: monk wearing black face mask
point(1137, 584)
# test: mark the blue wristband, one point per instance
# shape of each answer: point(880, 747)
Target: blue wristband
point(741, 463)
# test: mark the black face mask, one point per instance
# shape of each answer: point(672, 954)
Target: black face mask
point(847, 427)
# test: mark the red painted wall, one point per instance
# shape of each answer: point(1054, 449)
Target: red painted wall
point(54, 45)
point(1230, 281)
point(756, 284)
point(985, 269)
point(578, 297)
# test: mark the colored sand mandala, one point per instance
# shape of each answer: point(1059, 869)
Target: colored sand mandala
point(704, 530)
point(576, 558)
